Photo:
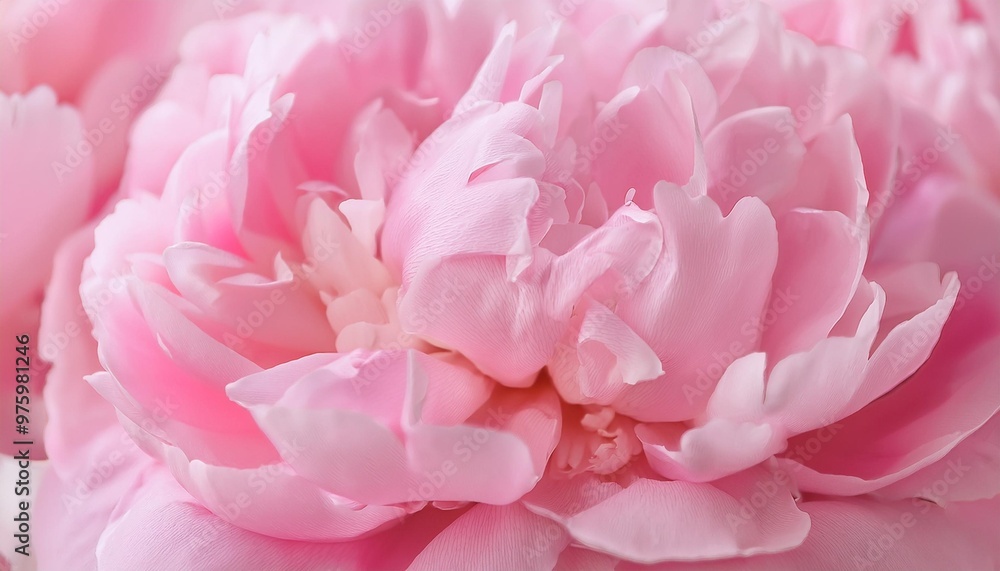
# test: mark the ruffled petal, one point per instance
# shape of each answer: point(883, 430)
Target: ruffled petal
point(414, 428)
point(750, 513)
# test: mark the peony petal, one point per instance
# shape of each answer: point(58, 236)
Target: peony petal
point(714, 450)
point(77, 414)
point(834, 367)
point(685, 310)
point(47, 187)
point(645, 136)
point(950, 397)
point(969, 472)
point(819, 266)
point(823, 186)
point(860, 533)
point(410, 432)
point(750, 513)
point(343, 264)
point(753, 153)
point(604, 357)
point(907, 345)
point(509, 328)
point(261, 498)
point(473, 198)
point(75, 504)
point(494, 538)
point(161, 517)
point(248, 306)
point(168, 377)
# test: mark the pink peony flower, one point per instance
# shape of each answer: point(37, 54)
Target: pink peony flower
point(75, 75)
point(519, 285)
point(941, 57)
point(106, 57)
point(65, 115)
point(33, 131)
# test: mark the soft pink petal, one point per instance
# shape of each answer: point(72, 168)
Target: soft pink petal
point(753, 153)
point(495, 537)
point(77, 414)
point(414, 428)
point(271, 499)
point(950, 397)
point(162, 518)
point(47, 187)
point(831, 177)
point(75, 504)
point(969, 472)
point(685, 310)
point(747, 514)
point(819, 266)
point(860, 533)
point(646, 136)
point(509, 328)
point(711, 451)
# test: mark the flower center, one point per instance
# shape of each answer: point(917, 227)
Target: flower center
point(595, 439)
